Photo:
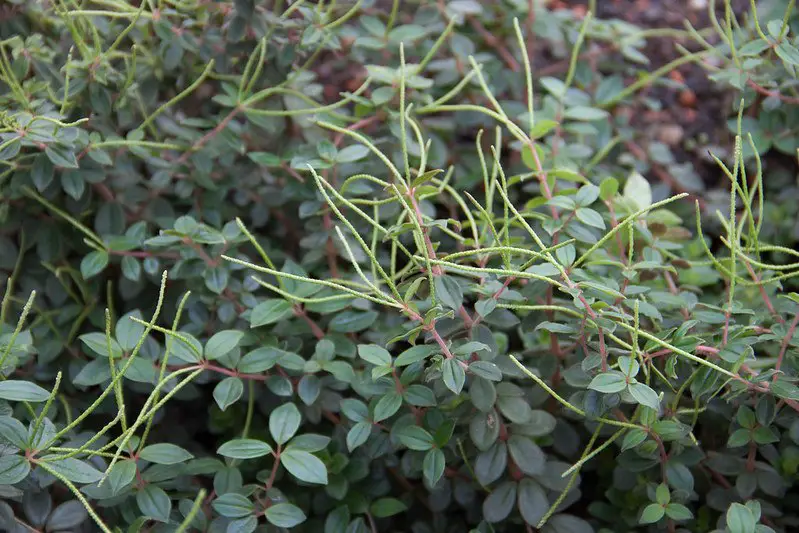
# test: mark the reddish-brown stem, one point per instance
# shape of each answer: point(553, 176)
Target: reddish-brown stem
point(674, 290)
point(273, 473)
point(785, 341)
point(495, 43)
point(443, 345)
point(142, 254)
point(775, 94)
point(750, 458)
point(467, 320)
point(233, 373)
point(317, 331)
point(202, 141)
point(431, 251)
point(356, 126)
point(763, 293)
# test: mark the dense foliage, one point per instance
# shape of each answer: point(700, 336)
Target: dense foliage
point(354, 267)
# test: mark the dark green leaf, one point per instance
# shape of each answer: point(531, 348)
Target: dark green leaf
point(387, 406)
point(416, 438)
point(498, 505)
point(527, 455)
point(284, 515)
point(228, 391)
point(453, 374)
point(233, 505)
point(93, 263)
point(433, 466)
point(449, 292)
point(284, 422)
point(269, 312)
point(387, 507)
point(165, 453)
point(13, 469)
point(244, 449)
point(304, 466)
point(532, 501)
point(154, 503)
point(69, 515)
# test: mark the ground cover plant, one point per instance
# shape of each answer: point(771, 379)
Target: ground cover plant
point(395, 266)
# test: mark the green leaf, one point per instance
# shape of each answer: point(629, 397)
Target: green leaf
point(486, 370)
point(228, 391)
point(67, 516)
point(542, 127)
point(608, 189)
point(585, 113)
point(309, 388)
point(387, 406)
point(387, 507)
point(165, 453)
point(453, 374)
point(449, 292)
point(269, 312)
point(222, 343)
point(93, 263)
point(633, 438)
point(13, 469)
point(652, 513)
point(485, 307)
point(527, 455)
point(73, 184)
point(154, 503)
point(637, 191)
point(587, 195)
point(678, 512)
point(244, 449)
point(98, 343)
point(374, 354)
point(284, 515)
point(233, 505)
point(590, 217)
point(122, 475)
point(498, 505)
point(662, 494)
point(284, 422)
point(740, 519)
point(216, 279)
point(352, 321)
point(788, 53)
point(14, 432)
point(127, 332)
point(358, 434)
point(785, 389)
point(433, 466)
point(355, 152)
point(304, 466)
point(644, 395)
point(609, 382)
point(42, 172)
point(131, 268)
point(61, 156)
point(414, 354)
point(416, 438)
point(420, 396)
point(74, 470)
point(260, 359)
point(22, 391)
point(532, 501)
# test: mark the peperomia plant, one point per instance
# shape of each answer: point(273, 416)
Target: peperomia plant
point(436, 296)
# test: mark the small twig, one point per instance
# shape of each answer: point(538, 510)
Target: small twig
point(495, 43)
